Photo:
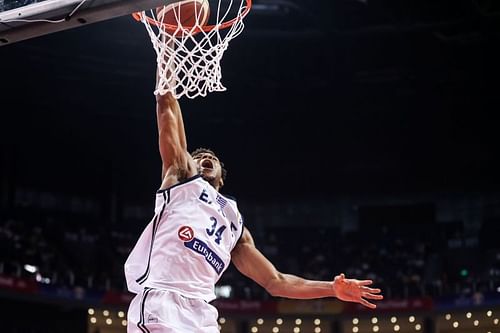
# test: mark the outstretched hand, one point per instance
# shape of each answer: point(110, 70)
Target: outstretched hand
point(352, 290)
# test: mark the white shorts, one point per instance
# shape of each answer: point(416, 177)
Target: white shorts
point(161, 311)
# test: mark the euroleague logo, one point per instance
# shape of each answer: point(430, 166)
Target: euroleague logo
point(185, 233)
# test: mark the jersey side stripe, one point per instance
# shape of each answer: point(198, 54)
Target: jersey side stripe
point(144, 276)
point(141, 324)
point(237, 241)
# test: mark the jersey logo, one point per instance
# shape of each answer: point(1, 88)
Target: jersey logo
point(185, 233)
point(203, 249)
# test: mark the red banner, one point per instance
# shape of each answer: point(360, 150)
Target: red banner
point(313, 307)
point(413, 304)
point(117, 298)
point(18, 284)
point(244, 306)
point(231, 306)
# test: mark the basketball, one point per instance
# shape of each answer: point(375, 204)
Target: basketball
point(184, 14)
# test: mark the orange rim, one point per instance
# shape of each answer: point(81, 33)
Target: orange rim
point(138, 16)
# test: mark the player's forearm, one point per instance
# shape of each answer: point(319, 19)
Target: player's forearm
point(169, 118)
point(291, 286)
point(168, 115)
point(182, 134)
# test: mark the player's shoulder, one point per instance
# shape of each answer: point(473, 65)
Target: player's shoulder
point(195, 180)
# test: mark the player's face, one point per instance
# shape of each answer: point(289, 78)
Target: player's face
point(209, 168)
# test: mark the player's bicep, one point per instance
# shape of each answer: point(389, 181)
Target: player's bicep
point(252, 263)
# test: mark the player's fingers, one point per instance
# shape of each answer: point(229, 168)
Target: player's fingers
point(372, 296)
point(367, 304)
point(371, 290)
point(365, 282)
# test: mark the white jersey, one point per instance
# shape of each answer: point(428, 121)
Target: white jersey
point(187, 246)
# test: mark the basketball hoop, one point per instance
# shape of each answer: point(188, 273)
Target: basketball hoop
point(189, 48)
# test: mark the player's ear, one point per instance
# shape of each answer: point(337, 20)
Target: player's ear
point(221, 182)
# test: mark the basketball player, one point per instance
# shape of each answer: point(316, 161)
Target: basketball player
point(195, 234)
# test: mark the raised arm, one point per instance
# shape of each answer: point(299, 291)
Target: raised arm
point(253, 264)
point(177, 163)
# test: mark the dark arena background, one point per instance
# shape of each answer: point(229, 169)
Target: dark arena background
point(359, 136)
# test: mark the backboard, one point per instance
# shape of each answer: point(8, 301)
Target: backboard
point(24, 19)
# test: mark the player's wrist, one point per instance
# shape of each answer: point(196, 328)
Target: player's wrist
point(333, 288)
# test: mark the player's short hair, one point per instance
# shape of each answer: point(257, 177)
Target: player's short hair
point(199, 151)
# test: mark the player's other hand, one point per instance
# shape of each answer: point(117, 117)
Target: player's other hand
point(352, 290)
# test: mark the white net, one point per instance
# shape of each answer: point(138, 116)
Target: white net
point(189, 57)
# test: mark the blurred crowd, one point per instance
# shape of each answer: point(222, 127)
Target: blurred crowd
point(405, 260)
